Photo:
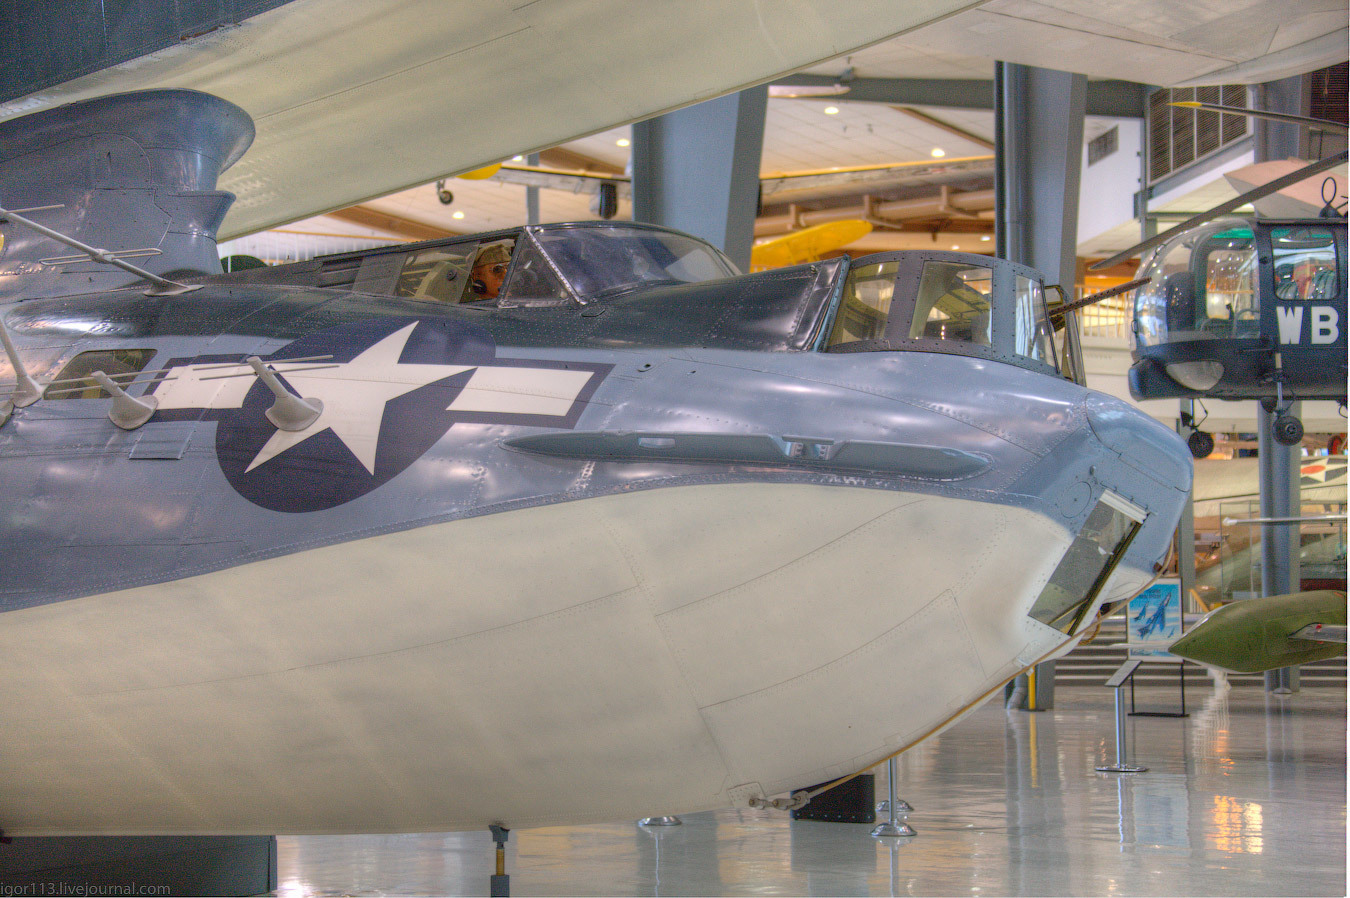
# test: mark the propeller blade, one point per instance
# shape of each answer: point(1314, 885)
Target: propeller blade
point(1256, 193)
point(1325, 124)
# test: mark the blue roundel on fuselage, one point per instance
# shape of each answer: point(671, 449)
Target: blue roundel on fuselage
point(386, 394)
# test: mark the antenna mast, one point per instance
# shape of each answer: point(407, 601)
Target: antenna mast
point(162, 286)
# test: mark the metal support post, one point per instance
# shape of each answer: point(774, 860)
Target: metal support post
point(1120, 766)
point(893, 827)
point(1279, 542)
point(1278, 464)
point(499, 886)
point(1117, 681)
point(1186, 526)
point(532, 194)
point(1038, 120)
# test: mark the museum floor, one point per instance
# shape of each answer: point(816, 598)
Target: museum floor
point(1247, 796)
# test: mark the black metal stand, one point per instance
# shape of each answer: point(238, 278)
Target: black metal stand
point(1181, 672)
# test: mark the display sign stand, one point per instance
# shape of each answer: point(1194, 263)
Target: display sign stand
point(1181, 674)
point(1153, 621)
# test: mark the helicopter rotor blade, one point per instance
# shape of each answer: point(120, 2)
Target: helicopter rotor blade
point(1252, 195)
point(1324, 124)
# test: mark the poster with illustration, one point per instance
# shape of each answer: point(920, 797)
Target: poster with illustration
point(1153, 619)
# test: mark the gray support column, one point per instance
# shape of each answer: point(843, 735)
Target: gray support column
point(697, 169)
point(1186, 526)
point(532, 194)
point(1280, 140)
point(1279, 467)
point(1038, 128)
point(1279, 464)
point(1038, 158)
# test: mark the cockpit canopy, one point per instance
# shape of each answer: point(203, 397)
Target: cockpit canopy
point(956, 303)
point(558, 263)
point(630, 283)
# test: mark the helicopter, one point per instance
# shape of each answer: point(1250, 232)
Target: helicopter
point(1244, 307)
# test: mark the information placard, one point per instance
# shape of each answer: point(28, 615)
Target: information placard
point(1153, 618)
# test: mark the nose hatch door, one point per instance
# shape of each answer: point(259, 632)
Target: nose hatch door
point(1074, 587)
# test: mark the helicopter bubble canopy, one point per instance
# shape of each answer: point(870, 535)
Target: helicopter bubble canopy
point(1178, 305)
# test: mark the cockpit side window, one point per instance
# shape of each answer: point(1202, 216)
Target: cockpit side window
point(1202, 285)
point(1231, 302)
point(1032, 335)
point(439, 274)
point(953, 304)
point(1305, 263)
point(866, 304)
point(533, 279)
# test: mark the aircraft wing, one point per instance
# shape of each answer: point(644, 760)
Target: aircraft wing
point(557, 179)
point(354, 99)
point(1321, 633)
point(779, 187)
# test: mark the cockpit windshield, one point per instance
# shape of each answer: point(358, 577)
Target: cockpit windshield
point(599, 260)
point(1203, 286)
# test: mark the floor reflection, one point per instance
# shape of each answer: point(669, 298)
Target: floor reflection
point(1247, 796)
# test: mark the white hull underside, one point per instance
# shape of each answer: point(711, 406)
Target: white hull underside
point(653, 652)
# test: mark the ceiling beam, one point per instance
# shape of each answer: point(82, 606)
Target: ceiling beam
point(396, 225)
point(1107, 99)
point(946, 126)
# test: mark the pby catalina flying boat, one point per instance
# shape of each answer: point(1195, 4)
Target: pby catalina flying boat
point(555, 524)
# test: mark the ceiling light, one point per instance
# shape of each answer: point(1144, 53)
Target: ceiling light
point(831, 110)
point(457, 214)
point(984, 239)
point(517, 158)
point(956, 246)
point(622, 141)
point(938, 152)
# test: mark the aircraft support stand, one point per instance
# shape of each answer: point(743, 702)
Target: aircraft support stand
point(893, 826)
point(500, 884)
point(1118, 682)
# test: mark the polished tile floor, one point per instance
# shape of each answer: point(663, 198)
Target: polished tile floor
point(1247, 796)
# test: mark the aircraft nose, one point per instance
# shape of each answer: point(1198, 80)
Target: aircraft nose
point(1141, 442)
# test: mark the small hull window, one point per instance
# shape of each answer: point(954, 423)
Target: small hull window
point(1083, 571)
point(75, 381)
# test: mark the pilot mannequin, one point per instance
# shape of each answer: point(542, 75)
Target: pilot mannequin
point(487, 273)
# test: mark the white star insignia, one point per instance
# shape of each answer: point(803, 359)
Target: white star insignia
point(354, 395)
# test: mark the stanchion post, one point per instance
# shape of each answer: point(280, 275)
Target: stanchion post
point(1117, 682)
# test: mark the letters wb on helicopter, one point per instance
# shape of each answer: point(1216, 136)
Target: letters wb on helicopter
point(326, 548)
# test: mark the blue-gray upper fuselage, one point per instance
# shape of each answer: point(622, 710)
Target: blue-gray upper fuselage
point(434, 412)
